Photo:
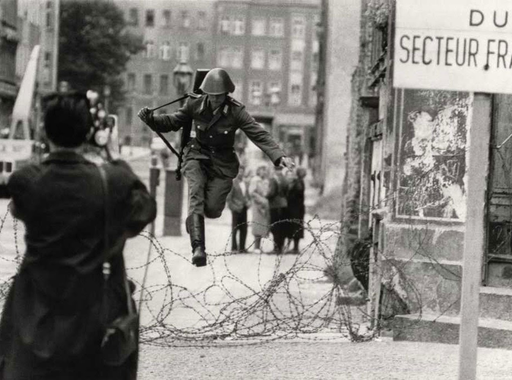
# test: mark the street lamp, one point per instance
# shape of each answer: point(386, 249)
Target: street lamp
point(106, 94)
point(173, 199)
point(182, 78)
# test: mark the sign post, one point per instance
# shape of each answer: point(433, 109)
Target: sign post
point(461, 45)
point(474, 240)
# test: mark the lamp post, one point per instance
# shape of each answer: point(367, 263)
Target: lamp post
point(272, 101)
point(106, 94)
point(182, 78)
point(173, 200)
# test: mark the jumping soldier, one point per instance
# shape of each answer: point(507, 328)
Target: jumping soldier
point(210, 161)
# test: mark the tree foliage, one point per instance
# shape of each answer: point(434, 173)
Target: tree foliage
point(95, 46)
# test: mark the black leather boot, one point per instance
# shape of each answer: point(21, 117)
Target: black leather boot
point(195, 228)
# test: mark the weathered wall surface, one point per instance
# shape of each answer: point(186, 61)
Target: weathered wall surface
point(431, 157)
point(351, 167)
point(417, 166)
point(422, 263)
point(424, 235)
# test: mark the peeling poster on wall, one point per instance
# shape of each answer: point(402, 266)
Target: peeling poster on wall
point(432, 156)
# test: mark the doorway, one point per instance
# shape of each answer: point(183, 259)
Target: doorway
point(498, 254)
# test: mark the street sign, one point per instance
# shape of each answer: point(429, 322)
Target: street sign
point(459, 45)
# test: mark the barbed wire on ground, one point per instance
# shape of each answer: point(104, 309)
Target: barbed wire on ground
point(301, 297)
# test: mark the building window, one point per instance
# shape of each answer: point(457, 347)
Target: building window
point(150, 18)
point(275, 59)
point(295, 95)
point(164, 84)
point(314, 62)
point(223, 57)
point(185, 20)
point(200, 51)
point(274, 90)
point(295, 92)
point(238, 90)
point(166, 18)
point(258, 26)
point(297, 61)
point(148, 84)
point(224, 25)
point(150, 49)
point(165, 51)
point(129, 116)
point(131, 82)
point(312, 90)
point(239, 26)
point(315, 55)
point(133, 17)
point(237, 61)
point(183, 52)
point(276, 27)
point(201, 20)
point(258, 59)
point(47, 59)
point(49, 15)
point(47, 63)
point(255, 92)
point(298, 27)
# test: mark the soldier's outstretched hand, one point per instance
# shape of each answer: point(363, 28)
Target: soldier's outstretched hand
point(286, 162)
point(146, 115)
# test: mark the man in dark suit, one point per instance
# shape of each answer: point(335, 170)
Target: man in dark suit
point(238, 202)
point(209, 157)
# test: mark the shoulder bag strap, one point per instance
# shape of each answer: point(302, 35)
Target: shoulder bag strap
point(104, 182)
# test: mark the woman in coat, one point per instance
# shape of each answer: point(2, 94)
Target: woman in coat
point(258, 190)
point(60, 301)
point(296, 208)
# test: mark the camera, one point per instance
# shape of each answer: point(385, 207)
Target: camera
point(102, 124)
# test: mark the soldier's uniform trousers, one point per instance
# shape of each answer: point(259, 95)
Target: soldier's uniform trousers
point(208, 188)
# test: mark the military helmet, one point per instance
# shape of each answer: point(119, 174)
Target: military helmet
point(217, 82)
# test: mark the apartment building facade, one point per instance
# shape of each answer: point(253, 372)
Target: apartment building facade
point(39, 25)
point(173, 32)
point(23, 25)
point(9, 38)
point(270, 50)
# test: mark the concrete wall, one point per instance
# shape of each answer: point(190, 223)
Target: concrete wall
point(342, 59)
point(420, 173)
point(422, 263)
point(424, 231)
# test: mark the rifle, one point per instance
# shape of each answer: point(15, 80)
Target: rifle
point(185, 137)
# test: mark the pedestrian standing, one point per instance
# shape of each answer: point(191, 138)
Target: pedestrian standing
point(296, 208)
point(238, 201)
point(61, 300)
point(210, 161)
point(258, 190)
point(278, 206)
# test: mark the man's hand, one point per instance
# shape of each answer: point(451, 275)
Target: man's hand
point(146, 115)
point(286, 162)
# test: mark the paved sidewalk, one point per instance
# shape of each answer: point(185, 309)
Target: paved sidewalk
point(306, 360)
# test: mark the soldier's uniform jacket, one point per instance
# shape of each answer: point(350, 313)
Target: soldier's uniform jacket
point(213, 134)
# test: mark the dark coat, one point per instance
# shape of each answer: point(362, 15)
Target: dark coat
point(55, 314)
point(278, 188)
point(296, 209)
point(213, 136)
